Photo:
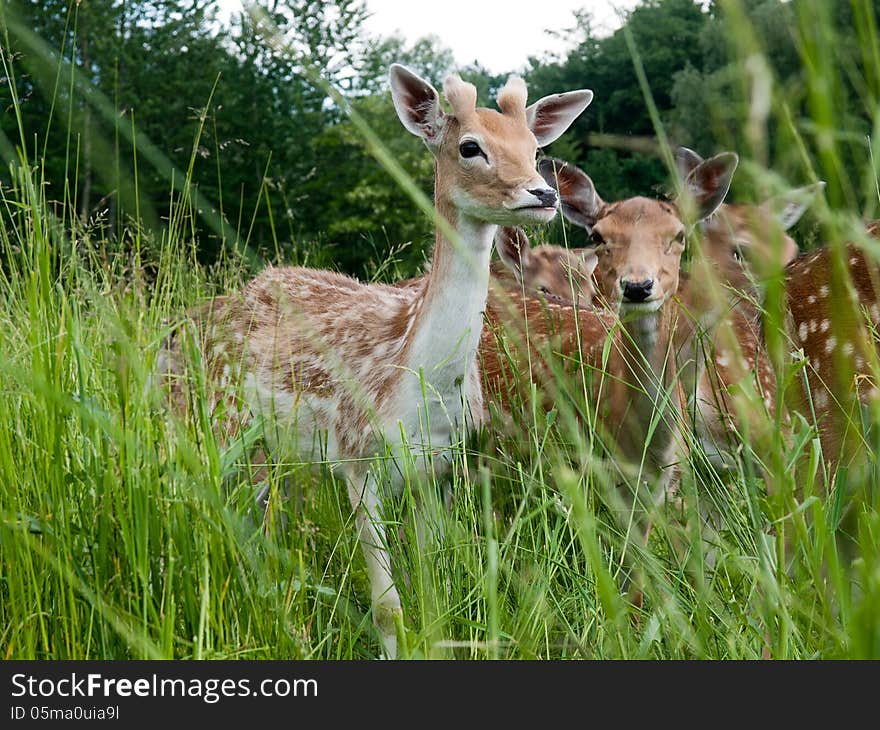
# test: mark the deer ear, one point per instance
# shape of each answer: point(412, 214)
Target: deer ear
point(686, 160)
point(709, 182)
point(548, 118)
point(513, 249)
point(417, 104)
point(589, 261)
point(790, 206)
point(580, 201)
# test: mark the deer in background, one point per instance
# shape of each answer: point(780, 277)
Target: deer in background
point(741, 245)
point(639, 242)
point(347, 372)
point(547, 270)
point(833, 320)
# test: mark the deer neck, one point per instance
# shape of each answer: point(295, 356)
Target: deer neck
point(648, 374)
point(647, 337)
point(648, 348)
point(447, 316)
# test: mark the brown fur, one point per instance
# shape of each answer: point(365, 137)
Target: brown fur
point(525, 335)
point(743, 245)
point(737, 254)
point(638, 236)
point(645, 230)
point(639, 245)
point(838, 336)
point(549, 271)
point(552, 272)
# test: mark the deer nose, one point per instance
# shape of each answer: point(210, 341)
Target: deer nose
point(547, 196)
point(637, 291)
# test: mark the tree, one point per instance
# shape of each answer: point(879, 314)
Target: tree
point(98, 68)
point(797, 54)
point(665, 35)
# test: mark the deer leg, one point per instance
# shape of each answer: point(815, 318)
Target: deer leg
point(363, 490)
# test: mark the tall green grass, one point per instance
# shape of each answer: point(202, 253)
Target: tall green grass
point(128, 533)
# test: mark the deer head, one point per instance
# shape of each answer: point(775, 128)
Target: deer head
point(548, 270)
point(638, 241)
point(485, 158)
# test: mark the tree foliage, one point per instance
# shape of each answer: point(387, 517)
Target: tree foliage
point(123, 100)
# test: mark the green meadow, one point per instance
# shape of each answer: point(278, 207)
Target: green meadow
point(153, 158)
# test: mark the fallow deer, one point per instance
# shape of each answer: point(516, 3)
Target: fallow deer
point(639, 242)
point(741, 245)
point(833, 319)
point(548, 270)
point(351, 373)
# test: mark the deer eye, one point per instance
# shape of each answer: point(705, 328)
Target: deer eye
point(597, 239)
point(679, 237)
point(543, 290)
point(469, 148)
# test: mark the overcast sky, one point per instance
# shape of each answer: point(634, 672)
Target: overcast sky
point(500, 34)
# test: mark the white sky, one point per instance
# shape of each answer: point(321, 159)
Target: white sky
point(500, 34)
